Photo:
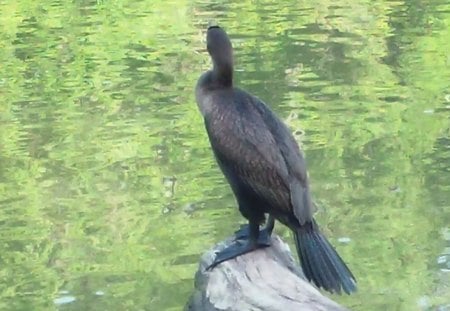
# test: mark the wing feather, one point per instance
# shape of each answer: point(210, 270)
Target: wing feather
point(298, 178)
point(266, 158)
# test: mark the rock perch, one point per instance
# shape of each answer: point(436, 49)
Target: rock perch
point(266, 279)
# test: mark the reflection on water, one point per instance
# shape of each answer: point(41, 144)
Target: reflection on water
point(109, 192)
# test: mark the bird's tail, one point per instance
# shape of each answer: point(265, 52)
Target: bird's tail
point(320, 261)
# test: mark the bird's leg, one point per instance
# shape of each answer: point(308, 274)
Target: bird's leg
point(270, 224)
point(240, 247)
point(264, 234)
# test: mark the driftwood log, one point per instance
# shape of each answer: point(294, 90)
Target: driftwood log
point(264, 280)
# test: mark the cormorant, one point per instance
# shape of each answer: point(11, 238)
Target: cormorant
point(266, 170)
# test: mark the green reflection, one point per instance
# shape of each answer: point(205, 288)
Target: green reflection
point(109, 192)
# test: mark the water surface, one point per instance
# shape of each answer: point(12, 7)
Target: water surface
point(109, 192)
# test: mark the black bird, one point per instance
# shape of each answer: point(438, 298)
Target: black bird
point(265, 169)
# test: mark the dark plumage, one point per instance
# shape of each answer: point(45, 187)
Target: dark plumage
point(265, 168)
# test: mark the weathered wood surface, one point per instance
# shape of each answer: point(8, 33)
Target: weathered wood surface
point(264, 280)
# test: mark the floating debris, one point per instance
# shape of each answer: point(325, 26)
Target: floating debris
point(446, 234)
point(395, 188)
point(344, 240)
point(424, 302)
point(99, 293)
point(64, 300)
point(442, 259)
point(189, 208)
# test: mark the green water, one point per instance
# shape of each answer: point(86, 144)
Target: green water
point(108, 189)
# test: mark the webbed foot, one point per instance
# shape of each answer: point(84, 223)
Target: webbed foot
point(239, 248)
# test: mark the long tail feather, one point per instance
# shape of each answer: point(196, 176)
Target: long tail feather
point(320, 261)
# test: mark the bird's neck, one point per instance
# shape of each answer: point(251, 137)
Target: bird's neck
point(222, 73)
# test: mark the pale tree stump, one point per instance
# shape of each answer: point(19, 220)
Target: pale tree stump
point(264, 280)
